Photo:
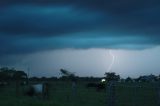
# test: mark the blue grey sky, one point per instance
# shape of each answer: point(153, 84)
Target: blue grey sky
point(47, 35)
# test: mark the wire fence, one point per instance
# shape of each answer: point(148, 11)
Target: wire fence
point(133, 95)
point(115, 94)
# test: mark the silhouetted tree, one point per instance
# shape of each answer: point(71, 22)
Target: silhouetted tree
point(72, 77)
point(11, 74)
point(6, 73)
point(111, 76)
point(68, 75)
point(147, 78)
point(129, 79)
point(53, 79)
point(65, 72)
point(19, 75)
point(159, 78)
point(34, 79)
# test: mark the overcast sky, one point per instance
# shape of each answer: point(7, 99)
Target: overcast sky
point(46, 35)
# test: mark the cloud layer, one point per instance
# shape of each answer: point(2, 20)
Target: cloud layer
point(36, 25)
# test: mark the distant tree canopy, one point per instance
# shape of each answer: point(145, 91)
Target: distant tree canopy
point(159, 77)
point(11, 74)
point(67, 75)
point(111, 76)
point(129, 79)
point(19, 75)
point(147, 78)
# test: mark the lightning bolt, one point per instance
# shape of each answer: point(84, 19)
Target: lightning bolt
point(112, 62)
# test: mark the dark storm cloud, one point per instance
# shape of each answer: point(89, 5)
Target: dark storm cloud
point(42, 21)
point(34, 25)
point(112, 6)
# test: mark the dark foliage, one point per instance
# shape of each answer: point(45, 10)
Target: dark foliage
point(97, 86)
point(111, 76)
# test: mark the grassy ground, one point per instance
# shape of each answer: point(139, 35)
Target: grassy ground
point(61, 95)
point(142, 94)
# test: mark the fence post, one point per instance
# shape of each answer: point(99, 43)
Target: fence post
point(111, 93)
point(134, 95)
point(73, 89)
point(17, 88)
point(158, 94)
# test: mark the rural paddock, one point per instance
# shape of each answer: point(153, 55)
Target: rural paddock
point(61, 94)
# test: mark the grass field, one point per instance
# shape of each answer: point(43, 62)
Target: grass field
point(61, 95)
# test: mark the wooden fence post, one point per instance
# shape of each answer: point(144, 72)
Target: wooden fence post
point(158, 94)
point(74, 89)
point(111, 94)
point(134, 95)
point(17, 88)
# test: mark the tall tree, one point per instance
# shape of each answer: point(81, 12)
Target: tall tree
point(67, 74)
point(111, 76)
point(11, 74)
point(18, 75)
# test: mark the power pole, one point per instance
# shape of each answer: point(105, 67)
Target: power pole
point(28, 72)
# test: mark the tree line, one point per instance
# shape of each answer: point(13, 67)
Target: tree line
point(11, 74)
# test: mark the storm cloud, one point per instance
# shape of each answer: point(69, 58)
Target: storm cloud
point(37, 25)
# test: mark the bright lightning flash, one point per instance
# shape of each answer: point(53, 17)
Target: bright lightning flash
point(112, 62)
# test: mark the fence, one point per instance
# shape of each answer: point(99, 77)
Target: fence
point(133, 94)
point(64, 94)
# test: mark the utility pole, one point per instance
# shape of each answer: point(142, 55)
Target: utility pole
point(28, 72)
